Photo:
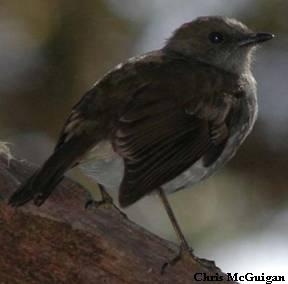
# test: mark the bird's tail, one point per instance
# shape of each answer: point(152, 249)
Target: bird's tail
point(41, 184)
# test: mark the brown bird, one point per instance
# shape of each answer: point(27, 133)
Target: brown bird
point(162, 121)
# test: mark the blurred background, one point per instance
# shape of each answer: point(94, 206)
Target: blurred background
point(51, 52)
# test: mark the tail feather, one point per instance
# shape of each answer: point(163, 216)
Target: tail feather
point(41, 184)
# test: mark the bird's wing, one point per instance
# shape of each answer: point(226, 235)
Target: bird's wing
point(159, 139)
point(84, 117)
point(96, 109)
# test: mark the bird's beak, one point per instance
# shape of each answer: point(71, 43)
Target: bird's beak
point(256, 38)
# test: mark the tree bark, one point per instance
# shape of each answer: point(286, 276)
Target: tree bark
point(62, 242)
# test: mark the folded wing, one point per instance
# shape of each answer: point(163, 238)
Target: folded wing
point(159, 139)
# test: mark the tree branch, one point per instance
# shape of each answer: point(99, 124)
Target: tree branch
point(62, 242)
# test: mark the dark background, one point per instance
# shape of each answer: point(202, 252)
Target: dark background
point(51, 52)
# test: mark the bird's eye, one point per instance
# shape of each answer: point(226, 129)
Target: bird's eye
point(215, 37)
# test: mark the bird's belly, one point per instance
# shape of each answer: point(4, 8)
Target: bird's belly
point(104, 166)
point(107, 167)
point(198, 171)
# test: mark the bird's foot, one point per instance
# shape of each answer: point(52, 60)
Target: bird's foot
point(106, 202)
point(183, 254)
point(209, 264)
point(187, 254)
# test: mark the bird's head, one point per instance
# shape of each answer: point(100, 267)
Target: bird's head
point(219, 41)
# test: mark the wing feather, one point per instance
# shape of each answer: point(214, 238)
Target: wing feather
point(159, 140)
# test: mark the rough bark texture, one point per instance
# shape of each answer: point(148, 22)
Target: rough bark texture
point(62, 242)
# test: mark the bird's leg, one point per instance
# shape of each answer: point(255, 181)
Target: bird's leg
point(184, 251)
point(106, 202)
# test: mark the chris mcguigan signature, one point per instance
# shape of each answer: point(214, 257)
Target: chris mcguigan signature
point(249, 277)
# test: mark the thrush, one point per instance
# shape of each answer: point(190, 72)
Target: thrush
point(162, 121)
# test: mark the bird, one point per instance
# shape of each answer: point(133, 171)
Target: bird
point(162, 121)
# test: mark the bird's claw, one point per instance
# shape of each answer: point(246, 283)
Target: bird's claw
point(91, 204)
point(210, 264)
point(185, 253)
point(182, 254)
point(106, 202)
